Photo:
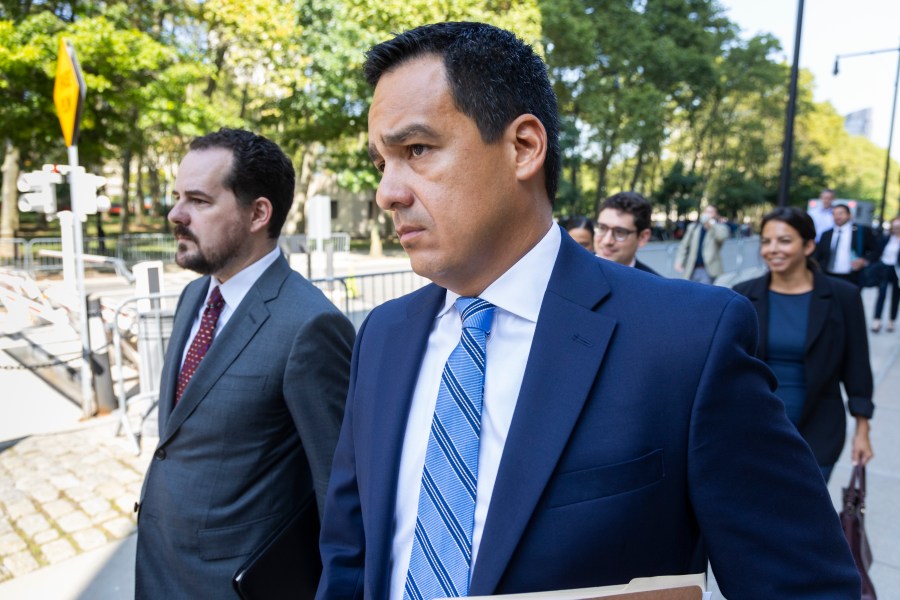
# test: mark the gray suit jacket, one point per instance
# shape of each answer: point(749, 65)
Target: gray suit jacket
point(251, 438)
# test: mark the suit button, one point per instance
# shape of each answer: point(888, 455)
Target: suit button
point(137, 506)
point(160, 454)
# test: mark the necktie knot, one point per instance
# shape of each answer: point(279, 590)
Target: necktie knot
point(475, 313)
point(215, 302)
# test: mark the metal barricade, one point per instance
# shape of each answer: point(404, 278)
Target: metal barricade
point(139, 247)
point(42, 262)
point(147, 322)
point(13, 253)
point(357, 295)
point(338, 242)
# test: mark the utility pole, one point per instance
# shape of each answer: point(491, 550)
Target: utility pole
point(784, 185)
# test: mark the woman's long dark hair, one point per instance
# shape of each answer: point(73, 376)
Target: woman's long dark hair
point(801, 222)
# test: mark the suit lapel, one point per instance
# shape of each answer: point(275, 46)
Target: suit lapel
point(819, 308)
point(569, 338)
point(229, 343)
point(188, 306)
point(397, 367)
point(759, 296)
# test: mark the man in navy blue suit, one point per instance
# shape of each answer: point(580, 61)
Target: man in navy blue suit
point(614, 441)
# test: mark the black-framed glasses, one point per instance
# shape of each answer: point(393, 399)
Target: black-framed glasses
point(620, 234)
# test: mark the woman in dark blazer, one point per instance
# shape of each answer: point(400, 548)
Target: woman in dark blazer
point(813, 336)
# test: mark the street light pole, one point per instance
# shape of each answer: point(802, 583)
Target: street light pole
point(785, 180)
point(887, 161)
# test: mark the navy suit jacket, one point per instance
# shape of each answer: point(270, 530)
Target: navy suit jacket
point(645, 438)
point(251, 439)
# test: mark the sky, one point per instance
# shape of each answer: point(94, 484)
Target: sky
point(832, 27)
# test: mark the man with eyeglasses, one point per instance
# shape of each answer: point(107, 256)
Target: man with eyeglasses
point(622, 227)
point(699, 256)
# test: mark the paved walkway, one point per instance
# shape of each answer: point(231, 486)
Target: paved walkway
point(67, 487)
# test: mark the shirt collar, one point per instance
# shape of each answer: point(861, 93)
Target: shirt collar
point(237, 286)
point(520, 290)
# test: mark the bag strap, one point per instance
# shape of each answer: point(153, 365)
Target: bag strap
point(858, 479)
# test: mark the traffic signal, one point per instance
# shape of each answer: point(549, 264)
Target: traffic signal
point(38, 191)
point(84, 188)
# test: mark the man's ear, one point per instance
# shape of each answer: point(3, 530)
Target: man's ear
point(643, 238)
point(260, 214)
point(530, 140)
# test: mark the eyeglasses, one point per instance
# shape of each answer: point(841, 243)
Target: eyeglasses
point(620, 234)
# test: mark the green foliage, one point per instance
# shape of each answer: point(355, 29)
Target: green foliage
point(663, 97)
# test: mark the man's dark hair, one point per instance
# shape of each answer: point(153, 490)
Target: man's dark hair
point(632, 203)
point(259, 168)
point(578, 222)
point(494, 77)
point(842, 207)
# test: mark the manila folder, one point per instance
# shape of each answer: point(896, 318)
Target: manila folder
point(669, 587)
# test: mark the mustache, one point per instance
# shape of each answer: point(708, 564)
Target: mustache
point(182, 231)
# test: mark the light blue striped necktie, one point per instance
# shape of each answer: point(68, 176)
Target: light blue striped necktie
point(442, 546)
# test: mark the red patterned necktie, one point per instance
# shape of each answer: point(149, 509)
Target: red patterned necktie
point(202, 340)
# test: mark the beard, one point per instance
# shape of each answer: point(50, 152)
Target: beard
point(206, 261)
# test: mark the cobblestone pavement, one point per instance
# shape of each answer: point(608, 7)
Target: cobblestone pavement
point(65, 493)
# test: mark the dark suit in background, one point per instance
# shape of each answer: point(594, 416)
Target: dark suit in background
point(252, 437)
point(863, 243)
point(836, 351)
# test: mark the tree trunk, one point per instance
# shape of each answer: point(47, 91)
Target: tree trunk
point(126, 188)
point(639, 165)
point(214, 78)
point(155, 196)
point(9, 216)
point(296, 219)
point(602, 169)
point(139, 193)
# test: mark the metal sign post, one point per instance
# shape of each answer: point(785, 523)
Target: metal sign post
point(68, 96)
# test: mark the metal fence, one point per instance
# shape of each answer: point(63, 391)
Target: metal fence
point(40, 256)
point(13, 252)
point(357, 295)
point(141, 327)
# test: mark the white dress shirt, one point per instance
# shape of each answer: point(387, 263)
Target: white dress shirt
point(233, 291)
point(891, 250)
point(517, 296)
point(842, 247)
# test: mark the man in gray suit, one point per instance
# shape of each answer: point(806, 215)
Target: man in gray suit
point(254, 381)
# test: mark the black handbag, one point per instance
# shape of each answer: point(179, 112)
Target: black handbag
point(854, 525)
point(872, 275)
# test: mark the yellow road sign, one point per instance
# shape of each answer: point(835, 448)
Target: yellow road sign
point(68, 92)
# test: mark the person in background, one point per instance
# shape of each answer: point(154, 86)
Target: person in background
point(582, 231)
point(699, 255)
point(813, 336)
point(849, 247)
point(888, 252)
point(622, 227)
point(821, 213)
